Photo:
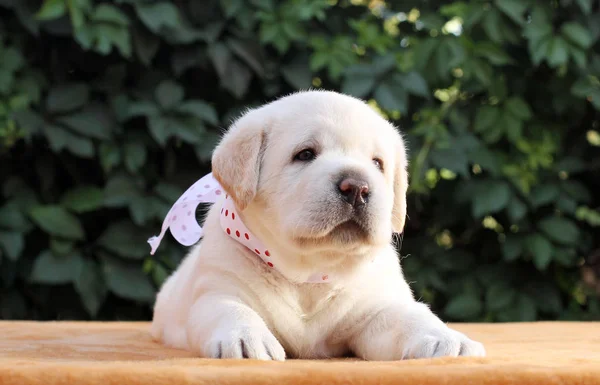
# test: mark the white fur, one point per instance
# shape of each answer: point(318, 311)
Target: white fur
point(225, 302)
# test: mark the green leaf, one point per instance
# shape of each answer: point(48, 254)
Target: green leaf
point(543, 195)
point(127, 281)
point(392, 96)
point(60, 139)
point(486, 159)
point(250, 52)
point(499, 296)
point(91, 287)
point(77, 9)
point(493, 53)
point(110, 156)
point(492, 197)
point(492, 25)
point(513, 9)
point(90, 122)
point(523, 309)
point(168, 94)
point(513, 127)
point(158, 129)
point(518, 108)
point(157, 16)
point(159, 274)
point(12, 59)
point(452, 159)
point(558, 52)
point(585, 5)
point(57, 221)
point(577, 34)
point(199, 109)
point(414, 83)
point(485, 118)
point(561, 230)
point(577, 190)
point(516, 209)
point(512, 248)
point(143, 108)
point(358, 84)
point(12, 243)
point(83, 199)
point(105, 13)
point(120, 190)
point(146, 45)
point(11, 217)
point(67, 97)
point(52, 9)
point(135, 156)
point(463, 307)
point(297, 74)
point(61, 247)
point(125, 240)
point(52, 270)
point(540, 249)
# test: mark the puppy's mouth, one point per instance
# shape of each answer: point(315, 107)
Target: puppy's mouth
point(348, 232)
point(349, 229)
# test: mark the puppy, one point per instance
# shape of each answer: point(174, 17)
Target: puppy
point(320, 179)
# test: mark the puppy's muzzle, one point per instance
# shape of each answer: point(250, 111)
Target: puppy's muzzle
point(354, 190)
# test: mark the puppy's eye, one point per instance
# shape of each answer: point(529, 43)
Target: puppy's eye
point(378, 163)
point(305, 155)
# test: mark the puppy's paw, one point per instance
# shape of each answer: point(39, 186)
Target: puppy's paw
point(442, 342)
point(245, 342)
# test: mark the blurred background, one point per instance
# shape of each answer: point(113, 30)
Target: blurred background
point(110, 109)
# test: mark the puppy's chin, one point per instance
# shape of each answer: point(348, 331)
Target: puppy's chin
point(347, 235)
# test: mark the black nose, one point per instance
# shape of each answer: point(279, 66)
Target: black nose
point(353, 191)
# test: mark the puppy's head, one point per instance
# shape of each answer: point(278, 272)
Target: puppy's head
point(316, 171)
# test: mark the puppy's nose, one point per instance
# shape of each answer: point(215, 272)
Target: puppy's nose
point(353, 191)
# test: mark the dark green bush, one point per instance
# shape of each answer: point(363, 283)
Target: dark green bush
point(110, 109)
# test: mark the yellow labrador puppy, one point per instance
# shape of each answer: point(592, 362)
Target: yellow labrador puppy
point(297, 258)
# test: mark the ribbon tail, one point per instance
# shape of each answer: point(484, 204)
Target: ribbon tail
point(181, 220)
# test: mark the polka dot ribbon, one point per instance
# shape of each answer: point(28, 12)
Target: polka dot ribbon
point(181, 220)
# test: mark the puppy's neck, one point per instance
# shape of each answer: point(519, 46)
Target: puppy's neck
point(305, 264)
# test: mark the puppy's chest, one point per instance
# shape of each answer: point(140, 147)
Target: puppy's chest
point(305, 321)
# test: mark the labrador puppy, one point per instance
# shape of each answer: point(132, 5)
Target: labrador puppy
point(320, 179)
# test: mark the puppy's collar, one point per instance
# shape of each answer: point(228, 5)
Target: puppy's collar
point(181, 220)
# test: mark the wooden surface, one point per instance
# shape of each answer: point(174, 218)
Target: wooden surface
point(123, 353)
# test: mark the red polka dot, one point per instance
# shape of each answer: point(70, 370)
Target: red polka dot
point(256, 251)
point(184, 206)
point(237, 233)
point(232, 215)
point(183, 228)
point(325, 277)
point(226, 212)
point(206, 186)
point(218, 192)
point(247, 236)
point(228, 231)
point(198, 195)
point(189, 213)
point(267, 253)
point(174, 218)
point(270, 264)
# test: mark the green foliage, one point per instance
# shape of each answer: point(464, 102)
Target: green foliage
point(110, 109)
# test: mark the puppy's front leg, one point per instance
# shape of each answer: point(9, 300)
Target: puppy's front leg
point(411, 330)
point(222, 326)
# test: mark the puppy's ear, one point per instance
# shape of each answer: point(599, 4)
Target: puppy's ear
point(400, 188)
point(236, 159)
